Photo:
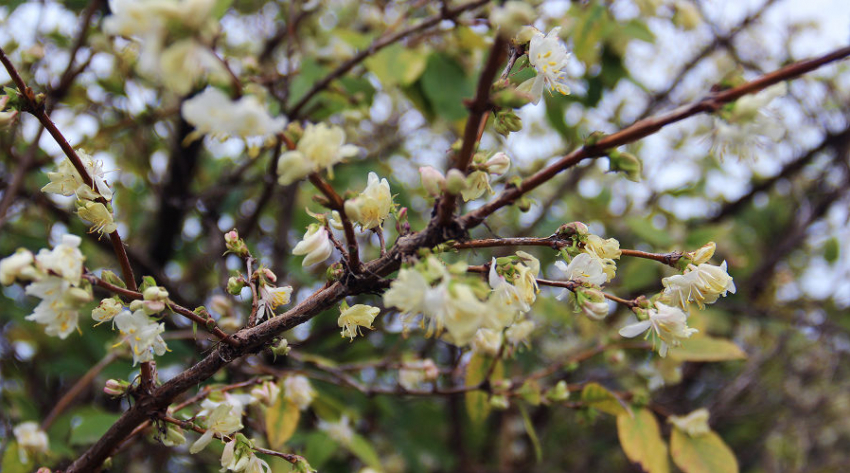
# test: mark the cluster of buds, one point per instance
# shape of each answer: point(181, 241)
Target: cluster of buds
point(235, 244)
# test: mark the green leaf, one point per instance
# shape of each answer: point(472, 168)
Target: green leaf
point(362, 449)
point(596, 396)
point(477, 405)
point(446, 85)
point(641, 440)
point(707, 349)
point(706, 453)
point(12, 461)
point(281, 421)
point(532, 434)
point(90, 425)
point(396, 65)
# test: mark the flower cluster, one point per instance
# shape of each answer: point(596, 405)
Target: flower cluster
point(238, 456)
point(66, 180)
point(270, 296)
point(142, 334)
point(316, 245)
point(450, 300)
point(224, 419)
point(54, 276)
point(320, 147)
point(667, 325)
point(174, 35)
point(470, 187)
point(373, 205)
point(213, 113)
point(748, 123)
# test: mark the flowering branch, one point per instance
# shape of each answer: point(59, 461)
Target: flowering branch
point(479, 110)
point(209, 324)
point(337, 203)
point(644, 128)
point(291, 458)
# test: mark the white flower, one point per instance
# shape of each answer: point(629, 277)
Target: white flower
point(609, 248)
point(407, 292)
point(255, 465)
point(702, 284)
point(519, 332)
point(477, 184)
point(669, 324)
point(65, 260)
point(107, 310)
point(339, 431)
point(18, 266)
point(548, 55)
point(591, 302)
point(319, 148)
point(433, 181)
point(356, 316)
point(183, 64)
point(142, 334)
point(265, 393)
point(30, 438)
point(498, 164)
point(67, 181)
point(373, 205)
point(100, 217)
point(213, 113)
point(526, 280)
point(59, 308)
point(505, 300)
point(584, 268)
point(270, 298)
point(6, 118)
point(749, 123)
point(224, 420)
point(316, 245)
point(487, 341)
point(297, 390)
point(693, 424)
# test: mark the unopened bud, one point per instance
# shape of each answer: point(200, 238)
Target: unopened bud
point(560, 392)
point(455, 181)
point(572, 229)
point(433, 180)
point(235, 244)
point(499, 402)
point(498, 164)
point(507, 122)
point(626, 163)
point(173, 436)
point(703, 254)
point(235, 285)
point(511, 98)
point(115, 388)
point(282, 348)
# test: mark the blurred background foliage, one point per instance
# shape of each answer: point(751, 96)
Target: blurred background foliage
point(779, 217)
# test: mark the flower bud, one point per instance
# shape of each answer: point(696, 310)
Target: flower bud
point(626, 163)
point(282, 348)
point(525, 34)
point(511, 98)
point(507, 122)
point(116, 388)
point(235, 244)
point(499, 402)
point(592, 303)
point(498, 164)
point(433, 180)
point(235, 285)
point(455, 181)
point(173, 436)
point(573, 229)
point(559, 392)
point(703, 254)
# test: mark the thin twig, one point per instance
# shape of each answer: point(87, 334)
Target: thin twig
point(338, 204)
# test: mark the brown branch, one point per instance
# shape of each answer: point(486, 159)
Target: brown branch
point(376, 46)
point(646, 127)
point(479, 110)
point(670, 259)
point(291, 458)
point(208, 324)
point(338, 204)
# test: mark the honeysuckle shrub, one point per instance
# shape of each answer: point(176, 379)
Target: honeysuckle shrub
point(434, 236)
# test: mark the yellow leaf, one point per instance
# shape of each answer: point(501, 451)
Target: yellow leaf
point(281, 421)
point(707, 349)
point(641, 440)
point(596, 396)
point(477, 403)
point(706, 453)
